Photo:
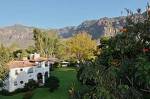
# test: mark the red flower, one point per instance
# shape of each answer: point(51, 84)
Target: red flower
point(145, 49)
point(123, 30)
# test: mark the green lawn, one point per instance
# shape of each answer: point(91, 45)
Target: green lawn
point(66, 77)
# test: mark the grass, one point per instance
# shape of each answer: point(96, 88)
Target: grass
point(66, 76)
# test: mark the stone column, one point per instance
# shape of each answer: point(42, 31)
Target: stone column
point(49, 73)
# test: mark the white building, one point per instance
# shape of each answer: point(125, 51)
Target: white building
point(64, 64)
point(22, 71)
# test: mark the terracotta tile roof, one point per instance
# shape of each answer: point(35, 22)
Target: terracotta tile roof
point(39, 59)
point(53, 59)
point(20, 64)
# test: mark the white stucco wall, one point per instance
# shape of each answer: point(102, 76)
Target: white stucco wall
point(24, 76)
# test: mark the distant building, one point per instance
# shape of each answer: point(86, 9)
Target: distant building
point(64, 64)
point(22, 71)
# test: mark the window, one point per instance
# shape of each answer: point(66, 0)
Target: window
point(21, 69)
point(16, 72)
point(15, 83)
point(30, 80)
point(46, 64)
point(30, 70)
point(39, 65)
point(21, 82)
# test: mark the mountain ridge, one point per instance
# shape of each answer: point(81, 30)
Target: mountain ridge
point(96, 28)
point(23, 35)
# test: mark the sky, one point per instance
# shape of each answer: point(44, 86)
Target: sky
point(61, 13)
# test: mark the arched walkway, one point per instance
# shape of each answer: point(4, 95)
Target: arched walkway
point(40, 78)
point(46, 75)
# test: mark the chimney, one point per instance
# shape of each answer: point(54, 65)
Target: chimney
point(24, 58)
point(34, 56)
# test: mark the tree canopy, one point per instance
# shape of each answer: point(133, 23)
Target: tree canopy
point(122, 70)
point(45, 42)
point(81, 46)
point(5, 56)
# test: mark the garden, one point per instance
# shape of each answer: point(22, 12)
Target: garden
point(66, 76)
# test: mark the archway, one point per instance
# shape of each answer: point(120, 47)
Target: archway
point(46, 75)
point(40, 78)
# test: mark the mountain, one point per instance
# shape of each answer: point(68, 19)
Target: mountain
point(96, 28)
point(23, 35)
point(17, 34)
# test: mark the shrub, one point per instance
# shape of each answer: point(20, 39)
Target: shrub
point(72, 64)
point(1, 83)
point(28, 87)
point(18, 90)
point(28, 95)
point(52, 83)
point(86, 81)
point(5, 92)
point(32, 84)
point(73, 92)
point(55, 65)
point(79, 74)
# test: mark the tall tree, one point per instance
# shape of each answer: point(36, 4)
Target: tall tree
point(45, 42)
point(51, 41)
point(81, 46)
point(38, 39)
point(5, 56)
point(62, 50)
point(121, 71)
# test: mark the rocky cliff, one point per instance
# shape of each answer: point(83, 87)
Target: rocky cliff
point(96, 28)
point(22, 35)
